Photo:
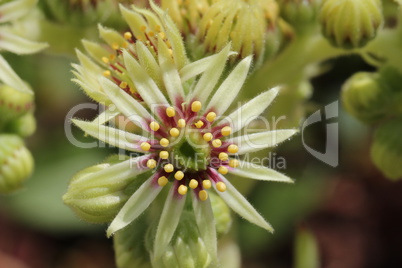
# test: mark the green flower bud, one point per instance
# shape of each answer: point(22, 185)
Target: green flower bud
point(130, 251)
point(386, 149)
point(23, 126)
point(16, 163)
point(226, 21)
point(223, 218)
point(186, 249)
point(371, 97)
point(365, 98)
point(299, 13)
point(96, 196)
point(350, 23)
point(14, 103)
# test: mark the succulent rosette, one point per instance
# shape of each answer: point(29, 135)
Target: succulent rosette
point(183, 138)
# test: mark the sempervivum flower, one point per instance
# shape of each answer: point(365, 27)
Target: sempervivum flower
point(187, 143)
point(11, 37)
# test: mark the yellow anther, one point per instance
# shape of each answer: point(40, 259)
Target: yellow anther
point(105, 59)
point(196, 106)
point(206, 184)
point(127, 35)
point(233, 149)
point(112, 57)
point(217, 143)
point(143, 28)
point(223, 170)
point(168, 168)
point(162, 181)
point(181, 123)
point(124, 45)
point(145, 146)
point(211, 116)
point(162, 35)
point(174, 132)
point(221, 186)
point(207, 136)
point(170, 111)
point(154, 126)
point(157, 28)
point(170, 52)
point(233, 163)
point(193, 184)
point(115, 46)
point(203, 195)
point(223, 156)
point(182, 189)
point(151, 34)
point(164, 142)
point(164, 154)
point(151, 163)
point(199, 124)
point(179, 175)
point(169, 45)
point(123, 85)
point(107, 73)
point(226, 131)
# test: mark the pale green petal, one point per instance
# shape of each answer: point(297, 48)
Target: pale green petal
point(87, 63)
point(107, 115)
point(169, 220)
point(146, 87)
point(170, 74)
point(241, 206)
point(229, 89)
point(241, 116)
point(113, 175)
point(210, 77)
point(174, 36)
point(261, 140)
point(19, 45)
point(193, 69)
point(135, 21)
point(149, 63)
point(131, 108)
point(135, 206)
point(110, 36)
point(9, 77)
point(95, 50)
point(206, 224)
point(116, 137)
point(15, 9)
point(257, 172)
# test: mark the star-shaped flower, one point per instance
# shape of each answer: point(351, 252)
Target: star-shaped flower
point(187, 141)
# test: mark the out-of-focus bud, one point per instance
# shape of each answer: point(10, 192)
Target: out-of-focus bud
point(14, 103)
point(223, 218)
point(96, 196)
point(187, 249)
point(129, 252)
point(16, 163)
point(23, 126)
point(299, 13)
point(350, 23)
point(386, 149)
point(208, 28)
point(365, 98)
point(371, 97)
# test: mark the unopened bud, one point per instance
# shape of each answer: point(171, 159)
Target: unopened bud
point(16, 163)
point(14, 103)
point(350, 23)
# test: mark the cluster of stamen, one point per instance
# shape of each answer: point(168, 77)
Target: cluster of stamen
point(164, 147)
